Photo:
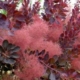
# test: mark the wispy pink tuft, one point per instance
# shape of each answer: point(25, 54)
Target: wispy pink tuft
point(52, 48)
point(32, 69)
point(38, 29)
point(55, 31)
point(76, 64)
point(21, 38)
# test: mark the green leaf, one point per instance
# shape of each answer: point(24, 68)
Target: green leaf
point(4, 12)
point(0, 77)
point(40, 0)
point(21, 1)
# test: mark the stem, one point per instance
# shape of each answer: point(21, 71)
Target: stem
point(5, 54)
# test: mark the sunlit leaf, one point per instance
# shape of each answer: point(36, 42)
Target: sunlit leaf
point(4, 12)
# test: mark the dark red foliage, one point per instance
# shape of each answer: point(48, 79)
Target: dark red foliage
point(72, 29)
point(18, 17)
point(54, 9)
point(4, 22)
point(50, 40)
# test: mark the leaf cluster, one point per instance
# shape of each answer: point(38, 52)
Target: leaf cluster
point(54, 9)
point(8, 56)
point(10, 13)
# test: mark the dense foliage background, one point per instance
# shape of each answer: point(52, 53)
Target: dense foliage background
point(37, 46)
